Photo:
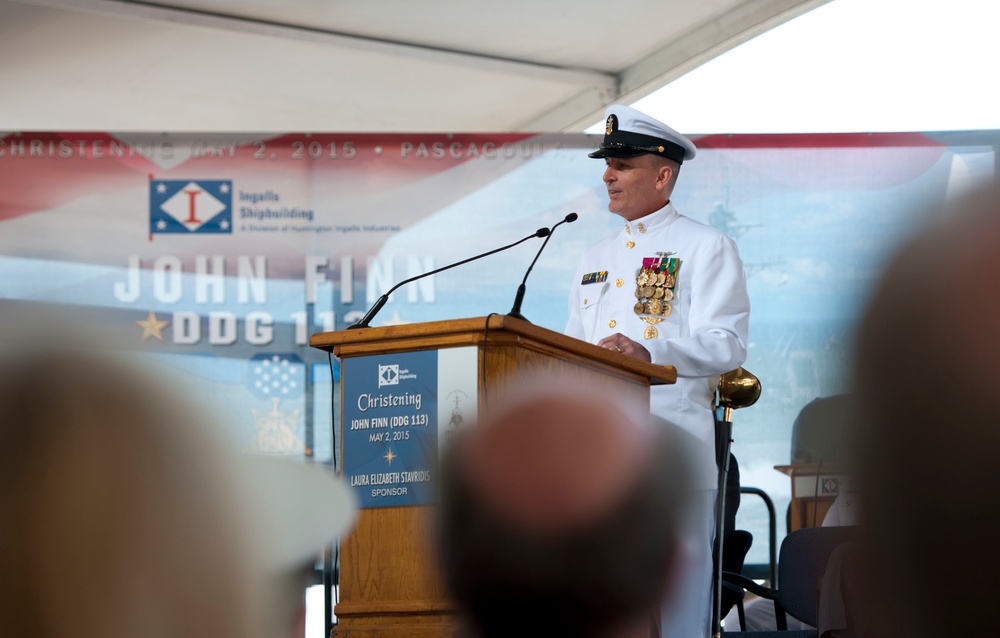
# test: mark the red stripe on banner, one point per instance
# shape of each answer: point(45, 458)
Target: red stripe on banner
point(817, 140)
point(40, 171)
point(822, 161)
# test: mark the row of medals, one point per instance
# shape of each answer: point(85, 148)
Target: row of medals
point(654, 290)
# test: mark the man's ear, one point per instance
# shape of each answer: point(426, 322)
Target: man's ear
point(663, 175)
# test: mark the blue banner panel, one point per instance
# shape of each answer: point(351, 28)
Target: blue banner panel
point(390, 428)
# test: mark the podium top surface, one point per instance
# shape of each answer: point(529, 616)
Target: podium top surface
point(479, 331)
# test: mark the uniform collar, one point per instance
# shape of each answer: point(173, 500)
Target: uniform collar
point(653, 221)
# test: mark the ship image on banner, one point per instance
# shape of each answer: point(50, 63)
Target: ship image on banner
point(189, 206)
point(275, 377)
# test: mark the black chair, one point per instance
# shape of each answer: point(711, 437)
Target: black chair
point(770, 569)
point(802, 561)
point(735, 548)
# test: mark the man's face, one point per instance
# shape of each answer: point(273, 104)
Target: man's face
point(636, 185)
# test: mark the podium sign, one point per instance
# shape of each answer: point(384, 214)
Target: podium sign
point(393, 426)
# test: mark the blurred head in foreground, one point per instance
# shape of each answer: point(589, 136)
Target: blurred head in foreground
point(560, 513)
point(926, 377)
point(124, 515)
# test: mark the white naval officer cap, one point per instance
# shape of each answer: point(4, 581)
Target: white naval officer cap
point(629, 133)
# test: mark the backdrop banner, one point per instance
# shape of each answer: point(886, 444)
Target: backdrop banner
point(219, 254)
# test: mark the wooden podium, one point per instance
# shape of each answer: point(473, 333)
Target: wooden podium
point(389, 584)
point(814, 489)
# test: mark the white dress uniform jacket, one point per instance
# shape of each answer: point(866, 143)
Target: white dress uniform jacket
point(703, 336)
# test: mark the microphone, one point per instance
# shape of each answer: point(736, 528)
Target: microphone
point(541, 232)
point(515, 310)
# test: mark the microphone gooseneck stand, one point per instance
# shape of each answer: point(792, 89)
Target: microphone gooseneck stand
point(541, 232)
point(515, 310)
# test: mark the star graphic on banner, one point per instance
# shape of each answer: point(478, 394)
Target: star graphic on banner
point(224, 188)
point(161, 188)
point(224, 225)
point(395, 320)
point(160, 225)
point(389, 456)
point(152, 327)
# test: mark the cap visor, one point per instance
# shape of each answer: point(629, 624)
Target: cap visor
point(601, 153)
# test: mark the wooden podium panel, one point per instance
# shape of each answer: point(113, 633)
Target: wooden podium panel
point(389, 582)
point(814, 489)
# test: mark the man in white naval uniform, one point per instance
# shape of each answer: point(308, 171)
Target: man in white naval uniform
point(670, 291)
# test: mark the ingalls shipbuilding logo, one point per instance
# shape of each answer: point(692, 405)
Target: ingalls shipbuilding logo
point(388, 375)
point(187, 206)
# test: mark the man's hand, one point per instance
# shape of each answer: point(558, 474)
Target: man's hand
point(620, 343)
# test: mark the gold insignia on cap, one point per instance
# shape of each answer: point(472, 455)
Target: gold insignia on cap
point(610, 127)
point(661, 149)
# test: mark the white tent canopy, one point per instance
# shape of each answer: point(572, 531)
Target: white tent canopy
point(353, 65)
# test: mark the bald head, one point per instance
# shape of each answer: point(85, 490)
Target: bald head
point(563, 506)
point(554, 462)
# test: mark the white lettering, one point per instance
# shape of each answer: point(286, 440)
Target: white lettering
point(259, 328)
point(328, 320)
point(167, 287)
point(221, 328)
point(313, 275)
point(128, 291)
point(187, 327)
point(301, 320)
point(252, 279)
point(426, 285)
point(213, 278)
point(380, 277)
point(354, 316)
point(346, 279)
